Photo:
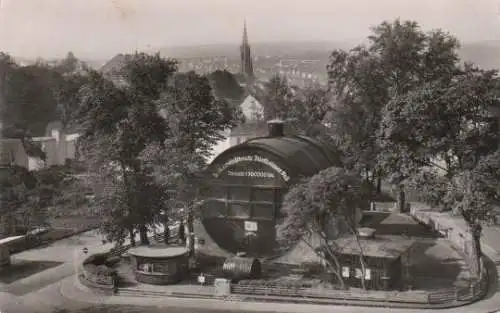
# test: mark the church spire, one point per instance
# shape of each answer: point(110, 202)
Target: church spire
point(245, 35)
point(246, 54)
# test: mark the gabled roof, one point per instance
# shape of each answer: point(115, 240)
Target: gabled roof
point(250, 107)
point(8, 240)
point(387, 247)
point(116, 63)
point(8, 149)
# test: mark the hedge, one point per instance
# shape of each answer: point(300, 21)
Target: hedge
point(97, 269)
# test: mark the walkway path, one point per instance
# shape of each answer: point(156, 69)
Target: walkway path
point(69, 293)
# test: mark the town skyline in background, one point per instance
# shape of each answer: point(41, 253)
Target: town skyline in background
point(98, 30)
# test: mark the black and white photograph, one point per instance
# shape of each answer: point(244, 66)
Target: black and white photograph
point(266, 156)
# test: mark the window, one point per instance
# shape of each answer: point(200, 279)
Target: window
point(214, 208)
point(239, 210)
point(265, 195)
point(213, 192)
point(345, 271)
point(368, 274)
point(239, 193)
point(358, 273)
point(263, 211)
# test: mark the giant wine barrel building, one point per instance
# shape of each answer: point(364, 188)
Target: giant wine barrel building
point(244, 187)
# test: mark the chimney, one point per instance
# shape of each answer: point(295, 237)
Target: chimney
point(366, 232)
point(276, 127)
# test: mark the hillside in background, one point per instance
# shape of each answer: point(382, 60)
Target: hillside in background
point(312, 50)
point(486, 54)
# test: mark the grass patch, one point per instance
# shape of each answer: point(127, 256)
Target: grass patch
point(78, 223)
point(23, 268)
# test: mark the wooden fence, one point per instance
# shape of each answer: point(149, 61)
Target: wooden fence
point(440, 297)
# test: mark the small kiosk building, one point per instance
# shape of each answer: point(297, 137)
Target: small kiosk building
point(159, 265)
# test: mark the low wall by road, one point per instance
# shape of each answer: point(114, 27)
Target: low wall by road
point(101, 275)
point(451, 227)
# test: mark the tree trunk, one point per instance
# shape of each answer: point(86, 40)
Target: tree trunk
point(166, 231)
point(143, 231)
point(476, 249)
point(401, 199)
point(362, 262)
point(379, 184)
point(132, 236)
point(190, 225)
point(332, 257)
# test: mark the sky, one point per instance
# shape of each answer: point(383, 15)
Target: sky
point(102, 28)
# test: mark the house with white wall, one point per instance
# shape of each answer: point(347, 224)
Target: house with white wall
point(12, 152)
point(57, 146)
point(253, 111)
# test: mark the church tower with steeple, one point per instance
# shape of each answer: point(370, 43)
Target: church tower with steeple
point(246, 55)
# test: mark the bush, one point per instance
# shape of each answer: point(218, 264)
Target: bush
point(99, 270)
point(96, 259)
point(112, 261)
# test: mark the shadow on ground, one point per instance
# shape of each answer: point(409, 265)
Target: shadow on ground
point(23, 268)
point(437, 266)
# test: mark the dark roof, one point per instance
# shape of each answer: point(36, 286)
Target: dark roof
point(304, 155)
point(8, 149)
point(115, 64)
point(387, 247)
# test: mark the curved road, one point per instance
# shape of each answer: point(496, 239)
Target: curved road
point(56, 290)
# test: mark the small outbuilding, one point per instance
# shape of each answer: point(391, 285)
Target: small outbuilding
point(387, 260)
point(5, 249)
point(159, 265)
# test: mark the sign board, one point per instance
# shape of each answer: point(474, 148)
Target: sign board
point(250, 226)
point(259, 174)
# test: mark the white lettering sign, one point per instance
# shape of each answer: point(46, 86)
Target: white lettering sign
point(253, 158)
point(251, 174)
point(251, 226)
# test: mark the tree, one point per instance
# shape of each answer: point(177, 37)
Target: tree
point(398, 58)
point(321, 209)
point(196, 120)
point(20, 200)
point(278, 97)
point(357, 80)
point(29, 102)
point(225, 85)
point(118, 123)
point(447, 126)
point(302, 108)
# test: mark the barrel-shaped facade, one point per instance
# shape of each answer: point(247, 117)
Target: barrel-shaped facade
point(245, 185)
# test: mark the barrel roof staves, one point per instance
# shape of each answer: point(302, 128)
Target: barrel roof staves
point(305, 156)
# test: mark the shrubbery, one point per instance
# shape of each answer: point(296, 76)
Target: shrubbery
point(112, 261)
point(98, 268)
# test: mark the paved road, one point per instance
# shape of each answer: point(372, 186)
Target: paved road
point(56, 290)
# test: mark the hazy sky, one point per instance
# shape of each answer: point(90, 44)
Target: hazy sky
point(101, 28)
